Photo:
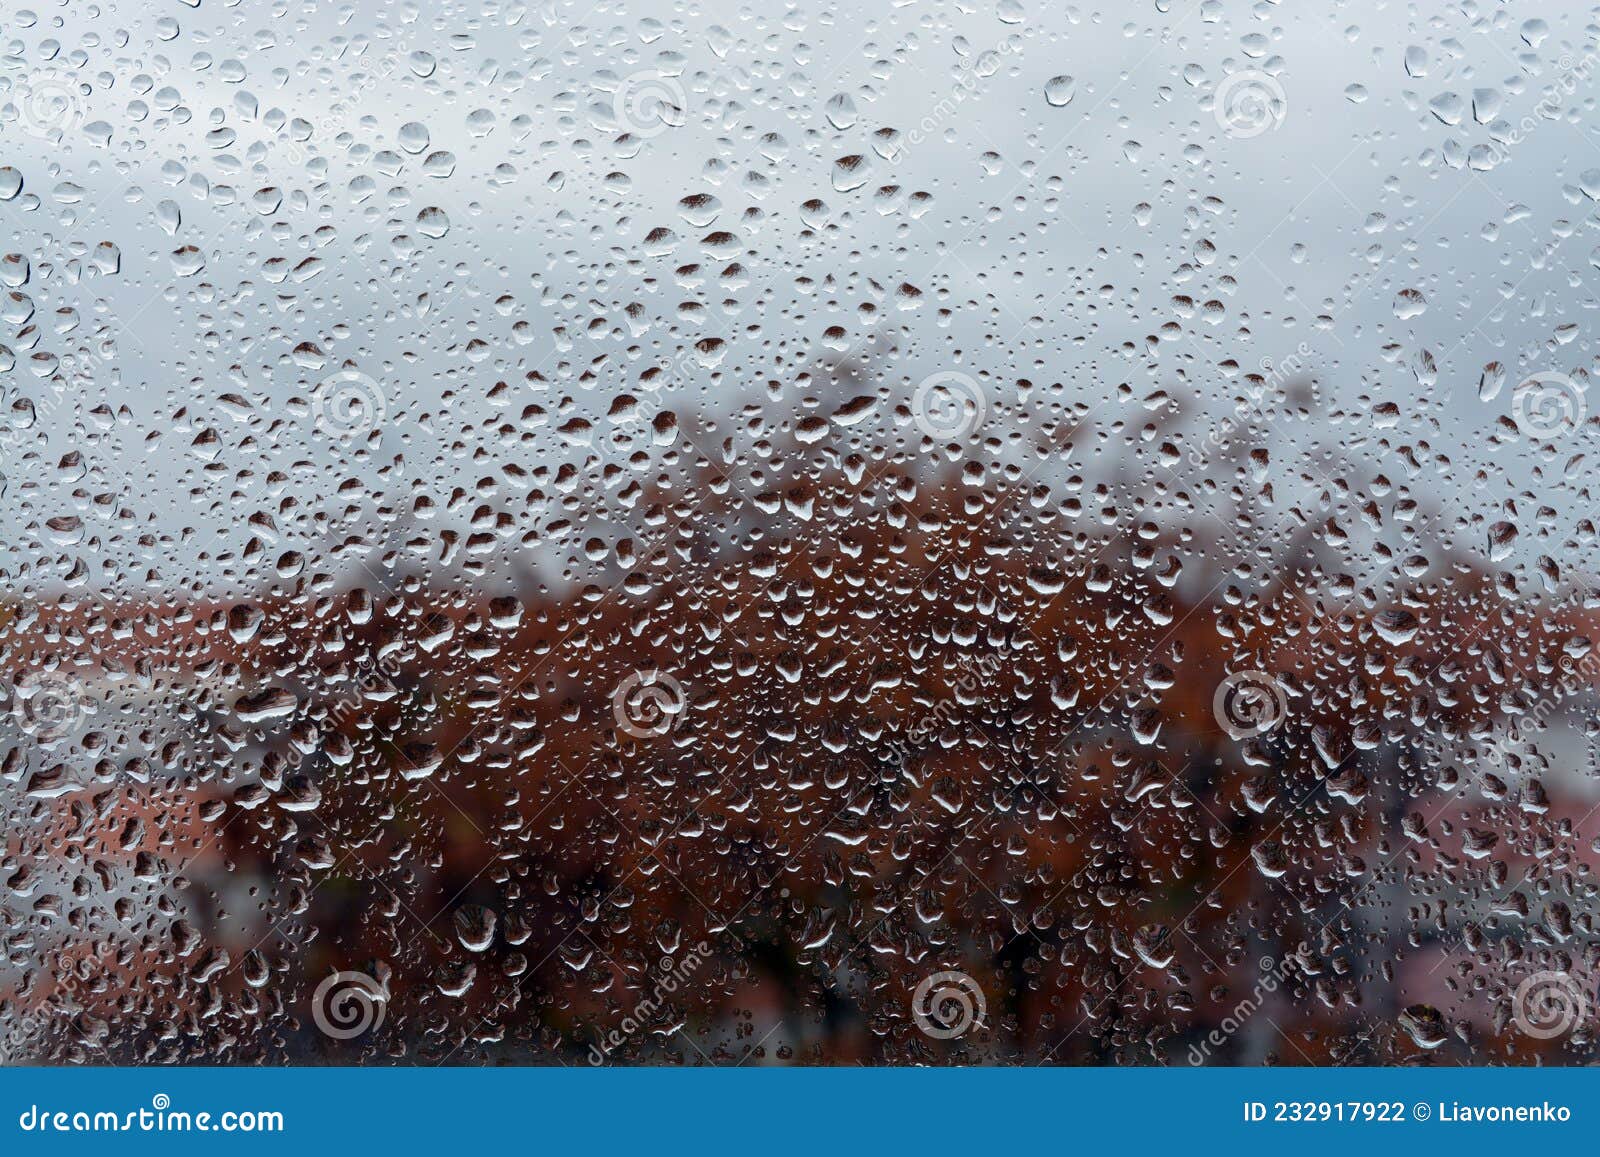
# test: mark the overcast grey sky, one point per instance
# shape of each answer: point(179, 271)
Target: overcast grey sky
point(1128, 234)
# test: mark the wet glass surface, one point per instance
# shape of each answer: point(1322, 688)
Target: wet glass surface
point(742, 534)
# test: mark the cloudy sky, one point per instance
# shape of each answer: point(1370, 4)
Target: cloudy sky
point(428, 201)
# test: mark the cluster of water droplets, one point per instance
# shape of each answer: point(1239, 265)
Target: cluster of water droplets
point(958, 532)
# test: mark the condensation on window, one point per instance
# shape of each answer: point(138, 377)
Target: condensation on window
point(808, 533)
